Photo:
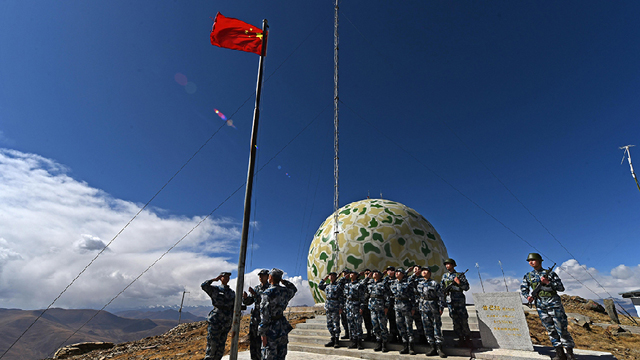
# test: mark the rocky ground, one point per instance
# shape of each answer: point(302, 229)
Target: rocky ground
point(188, 341)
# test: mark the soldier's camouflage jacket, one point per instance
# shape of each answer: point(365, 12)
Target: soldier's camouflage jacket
point(334, 294)
point(355, 293)
point(273, 323)
point(379, 296)
point(532, 280)
point(404, 294)
point(430, 295)
point(456, 294)
point(255, 299)
point(222, 298)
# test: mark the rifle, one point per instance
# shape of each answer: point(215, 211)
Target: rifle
point(447, 289)
point(535, 294)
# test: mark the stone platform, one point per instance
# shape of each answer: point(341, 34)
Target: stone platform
point(306, 342)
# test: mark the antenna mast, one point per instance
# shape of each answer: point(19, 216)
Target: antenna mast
point(335, 137)
point(628, 153)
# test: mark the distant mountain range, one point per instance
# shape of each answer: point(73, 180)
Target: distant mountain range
point(56, 325)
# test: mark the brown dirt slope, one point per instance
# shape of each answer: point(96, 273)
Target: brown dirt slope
point(622, 345)
point(185, 341)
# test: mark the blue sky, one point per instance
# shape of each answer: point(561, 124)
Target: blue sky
point(542, 94)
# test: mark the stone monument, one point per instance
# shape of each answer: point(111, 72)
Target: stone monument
point(502, 322)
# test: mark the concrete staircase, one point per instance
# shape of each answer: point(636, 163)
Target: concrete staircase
point(312, 335)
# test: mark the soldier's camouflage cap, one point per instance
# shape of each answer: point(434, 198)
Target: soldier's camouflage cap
point(346, 270)
point(450, 261)
point(417, 266)
point(428, 268)
point(225, 273)
point(401, 270)
point(276, 272)
point(264, 272)
point(534, 256)
point(332, 273)
point(365, 270)
point(392, 268)
point(376, 271)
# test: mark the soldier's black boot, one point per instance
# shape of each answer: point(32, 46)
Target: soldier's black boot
point(440, 352)
point(431, 350)
point(570, 355)
point(360, 346)
point(368, 337)
point(559, 353)
point(346, 336)
point(353, 344)
point(330, 343)
point(378, 346)
point(337, 343)
point(405, 349)
point(384, 347)
point(412, 350)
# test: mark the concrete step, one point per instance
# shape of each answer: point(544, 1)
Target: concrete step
point(313, 339)
point(455, 354)
point(320, 322)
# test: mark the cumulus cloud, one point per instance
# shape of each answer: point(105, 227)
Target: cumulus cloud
point(53, 225)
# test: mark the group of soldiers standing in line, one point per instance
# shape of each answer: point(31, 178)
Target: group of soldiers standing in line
point(399, 298)
point(268, 330)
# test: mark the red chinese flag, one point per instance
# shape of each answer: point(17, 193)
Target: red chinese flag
point(234, 34)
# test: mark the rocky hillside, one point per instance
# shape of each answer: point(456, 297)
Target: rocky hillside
point(594, 331)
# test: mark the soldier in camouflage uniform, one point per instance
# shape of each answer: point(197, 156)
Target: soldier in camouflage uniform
point(549, 306)
point(274, 328)
point(332, 306)
point(343, 278)
point(255, 343)
point(404, 295)
point(393, 327)
point(416, 277)
point(366, 313)
point(219, 319)
point(456, 301)
point(379, 302)
point(431, 301)
point(354, 294)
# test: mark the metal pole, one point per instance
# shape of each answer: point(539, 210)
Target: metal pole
point(503, 277)
point(478, 267)
point(336, 101)
point(181, 303)
point(235, 327)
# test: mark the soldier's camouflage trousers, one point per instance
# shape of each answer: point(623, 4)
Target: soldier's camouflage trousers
point(417, 319)
point(354, 318)
point(391, 316)
point(460, 318)
point(276, 349)
point(366, 318)
point(431, 322)
point(554, 319)
point(404, 323)
point(255, 343)
point(216, 339)
point(379, 322)
point(333, 322)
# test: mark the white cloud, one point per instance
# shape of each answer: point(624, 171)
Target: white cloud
point(52, 226)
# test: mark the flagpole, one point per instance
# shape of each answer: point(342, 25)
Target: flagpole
point(237, 315)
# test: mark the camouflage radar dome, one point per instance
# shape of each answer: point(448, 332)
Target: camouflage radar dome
point(374, 234)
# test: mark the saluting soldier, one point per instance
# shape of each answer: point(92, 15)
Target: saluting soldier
point(414, 279)
point(404, 295)
point(549, 305)
point(354, 294)
point(379, 302)
point(343, 279)
point(255, 297)
point(391, 316)
point(274, 327)
point(366, 313)
point(333, 306)
point(219, 319)
point(431, 301)
point(454, 285)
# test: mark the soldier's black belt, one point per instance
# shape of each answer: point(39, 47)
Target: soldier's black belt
point(428, 298)
point(277, 317)
point(376, 297)
point(353, 299)
point(225, 308)
point(403, 298)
